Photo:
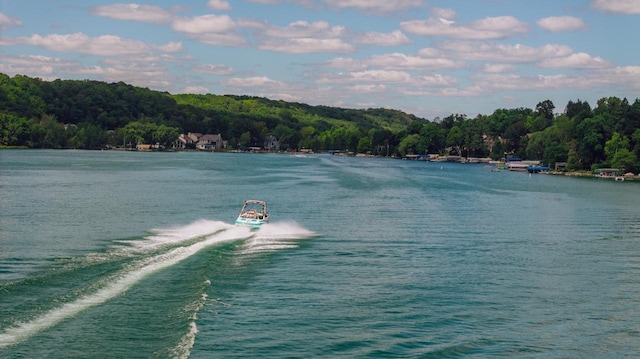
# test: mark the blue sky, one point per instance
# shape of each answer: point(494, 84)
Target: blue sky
point(431, 58)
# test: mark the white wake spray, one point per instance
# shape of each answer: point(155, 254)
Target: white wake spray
point(122, 281)
point(181, 243)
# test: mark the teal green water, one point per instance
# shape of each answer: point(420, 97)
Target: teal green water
point(134, 255)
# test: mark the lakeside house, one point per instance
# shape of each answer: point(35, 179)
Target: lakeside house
point(204, 142)
point(271, 144)
point(209, 142)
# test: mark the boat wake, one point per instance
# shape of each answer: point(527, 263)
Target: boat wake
point(136, 259)
point(275, 236)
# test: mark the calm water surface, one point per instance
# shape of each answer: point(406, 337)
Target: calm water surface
point(124, 254)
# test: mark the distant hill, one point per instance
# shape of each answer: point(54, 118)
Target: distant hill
point(94, 114)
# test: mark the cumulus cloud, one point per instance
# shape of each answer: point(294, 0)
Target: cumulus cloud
point(136, 73)
point(307, 46)
point(616, 77)
point(297, 29)
point(195, 90)
point(562, 23)
point(256, 81)
point(204, 24)
point(372, 88)
point(105, 45)
point(170, 47)
point(216, 30)
point(218, 5)
point(376, 5)
point(7, 22)
point(365, 6)
point(494, 52)
point(484, 29)
point(575, 61)
point(134, 12)
point(38, 65)
point(375, 76)
point(300, 37)
point(395, 61)
point(617, 6)
point(446, 14)
point(213, 69)
point(383, 39)
point(230, 39)
point(146, 74)
point(515, 82)
point(498, 68)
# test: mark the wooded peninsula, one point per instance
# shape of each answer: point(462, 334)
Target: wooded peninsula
point(96, 115)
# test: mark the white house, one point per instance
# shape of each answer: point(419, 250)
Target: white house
point(209, 142)
point(271, 144)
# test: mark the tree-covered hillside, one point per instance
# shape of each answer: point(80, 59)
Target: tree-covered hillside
point(92, 114)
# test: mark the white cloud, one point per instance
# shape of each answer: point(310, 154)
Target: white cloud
point(105, 45)
point(575, 61)
point(487, 28)
point(376, 5)
point(170, 47)
point(367, 76)
point(256, 81)
point(614, 78)
point(498, 68)
point(383, 39)
point(562, 23)
point(395, 61)
point(436, 80)
point(218, 5)
point(446, 14)
point(213, 69)
point(195, 90)
point(300, 37)
point(494, 52)
point(297, 29)
point(617, 6)
point(7, 22)
point(215, 30)
point(365, 6)
point(441, 92)
point(37, 65)
point(204, 24)
point(626, 76)
point(372, 88)
point(307, 46)
point(515, 82)
point(230, 39)
point(134, 12)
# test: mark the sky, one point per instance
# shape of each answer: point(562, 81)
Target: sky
point(430, 58)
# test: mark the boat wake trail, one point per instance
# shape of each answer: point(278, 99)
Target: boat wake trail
point(164, 249)
point(128, 262)
point(276, 235)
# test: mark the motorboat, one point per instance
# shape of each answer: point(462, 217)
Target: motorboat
point(253, 214)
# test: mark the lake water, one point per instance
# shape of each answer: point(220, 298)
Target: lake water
point(135, 255)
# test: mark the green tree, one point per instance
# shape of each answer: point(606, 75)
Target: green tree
point(435, 137)
point(245, 139)
point(590, 138)
point(618, 153)
point(14, 130)
point(545, 109)
point(409, 145)
point(364, 145)
point(455, 139)
point(165, 135)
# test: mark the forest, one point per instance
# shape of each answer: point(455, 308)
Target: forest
point(86, 114)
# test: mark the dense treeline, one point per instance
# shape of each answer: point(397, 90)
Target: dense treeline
point(93, 115)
